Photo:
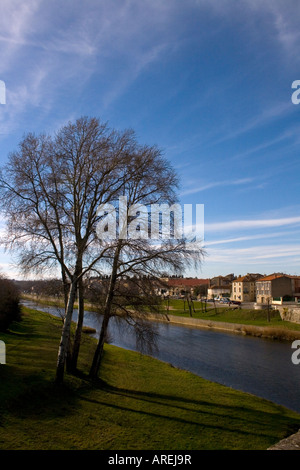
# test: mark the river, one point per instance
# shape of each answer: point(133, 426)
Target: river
point(259, 366)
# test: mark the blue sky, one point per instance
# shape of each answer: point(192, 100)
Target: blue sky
point(208, 81)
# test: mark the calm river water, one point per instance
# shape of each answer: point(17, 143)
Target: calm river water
point(259, 366)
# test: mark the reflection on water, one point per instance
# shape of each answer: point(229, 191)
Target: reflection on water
point(259, 366)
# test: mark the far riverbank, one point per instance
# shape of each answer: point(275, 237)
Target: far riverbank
point(272, 332)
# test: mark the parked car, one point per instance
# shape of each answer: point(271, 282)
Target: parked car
point(225, 300)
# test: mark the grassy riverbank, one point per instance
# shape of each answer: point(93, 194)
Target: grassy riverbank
point(228, 314)
point(245, 321)
point(138, 403)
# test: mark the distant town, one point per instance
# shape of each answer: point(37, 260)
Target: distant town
point(263, 290)
point(276, 288)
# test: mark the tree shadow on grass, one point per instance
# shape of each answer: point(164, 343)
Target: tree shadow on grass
point(35, 395)
point(39, 398)
point(236, 417)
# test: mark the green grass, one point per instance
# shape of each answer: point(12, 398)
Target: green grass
point(138, 402)
point(230, 315)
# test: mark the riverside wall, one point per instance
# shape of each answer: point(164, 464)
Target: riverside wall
point(195, 322)
point(290, 313)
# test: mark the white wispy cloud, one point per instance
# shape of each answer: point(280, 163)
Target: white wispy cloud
point(249, 238)
point(141, 62)
point(255, 255)
point(282, 18)
point(46, 53)
point(268, 143)
point(214, 184)
point(286, 15)
point(90, 36)
point(262, 118)
point(16, 21)
point(252, 224)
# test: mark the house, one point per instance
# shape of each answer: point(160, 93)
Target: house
point(244, 288)
point(222, 281)
point(178, 287)
point(220, 286)
point(296, 287)
point(277, 286)
point(214, 292)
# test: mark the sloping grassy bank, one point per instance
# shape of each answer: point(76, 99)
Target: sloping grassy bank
point(240, 320)
point(231, 314)
point(138, 402)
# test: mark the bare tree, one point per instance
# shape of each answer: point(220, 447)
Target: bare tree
point(152, 181)
point(51, 189)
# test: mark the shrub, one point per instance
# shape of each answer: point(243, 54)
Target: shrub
point(10, 309)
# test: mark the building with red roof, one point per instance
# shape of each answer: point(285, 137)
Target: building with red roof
point(277, 286)
point(182, 286)
point(244, 288)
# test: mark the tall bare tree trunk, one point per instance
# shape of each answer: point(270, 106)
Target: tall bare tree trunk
point(99, 349)
point(65, 336)
point(78, 332)
point(106, 316)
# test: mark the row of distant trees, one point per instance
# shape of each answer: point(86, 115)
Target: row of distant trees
point(51, 189)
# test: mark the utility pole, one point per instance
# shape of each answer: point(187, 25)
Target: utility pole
point(268, 315)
